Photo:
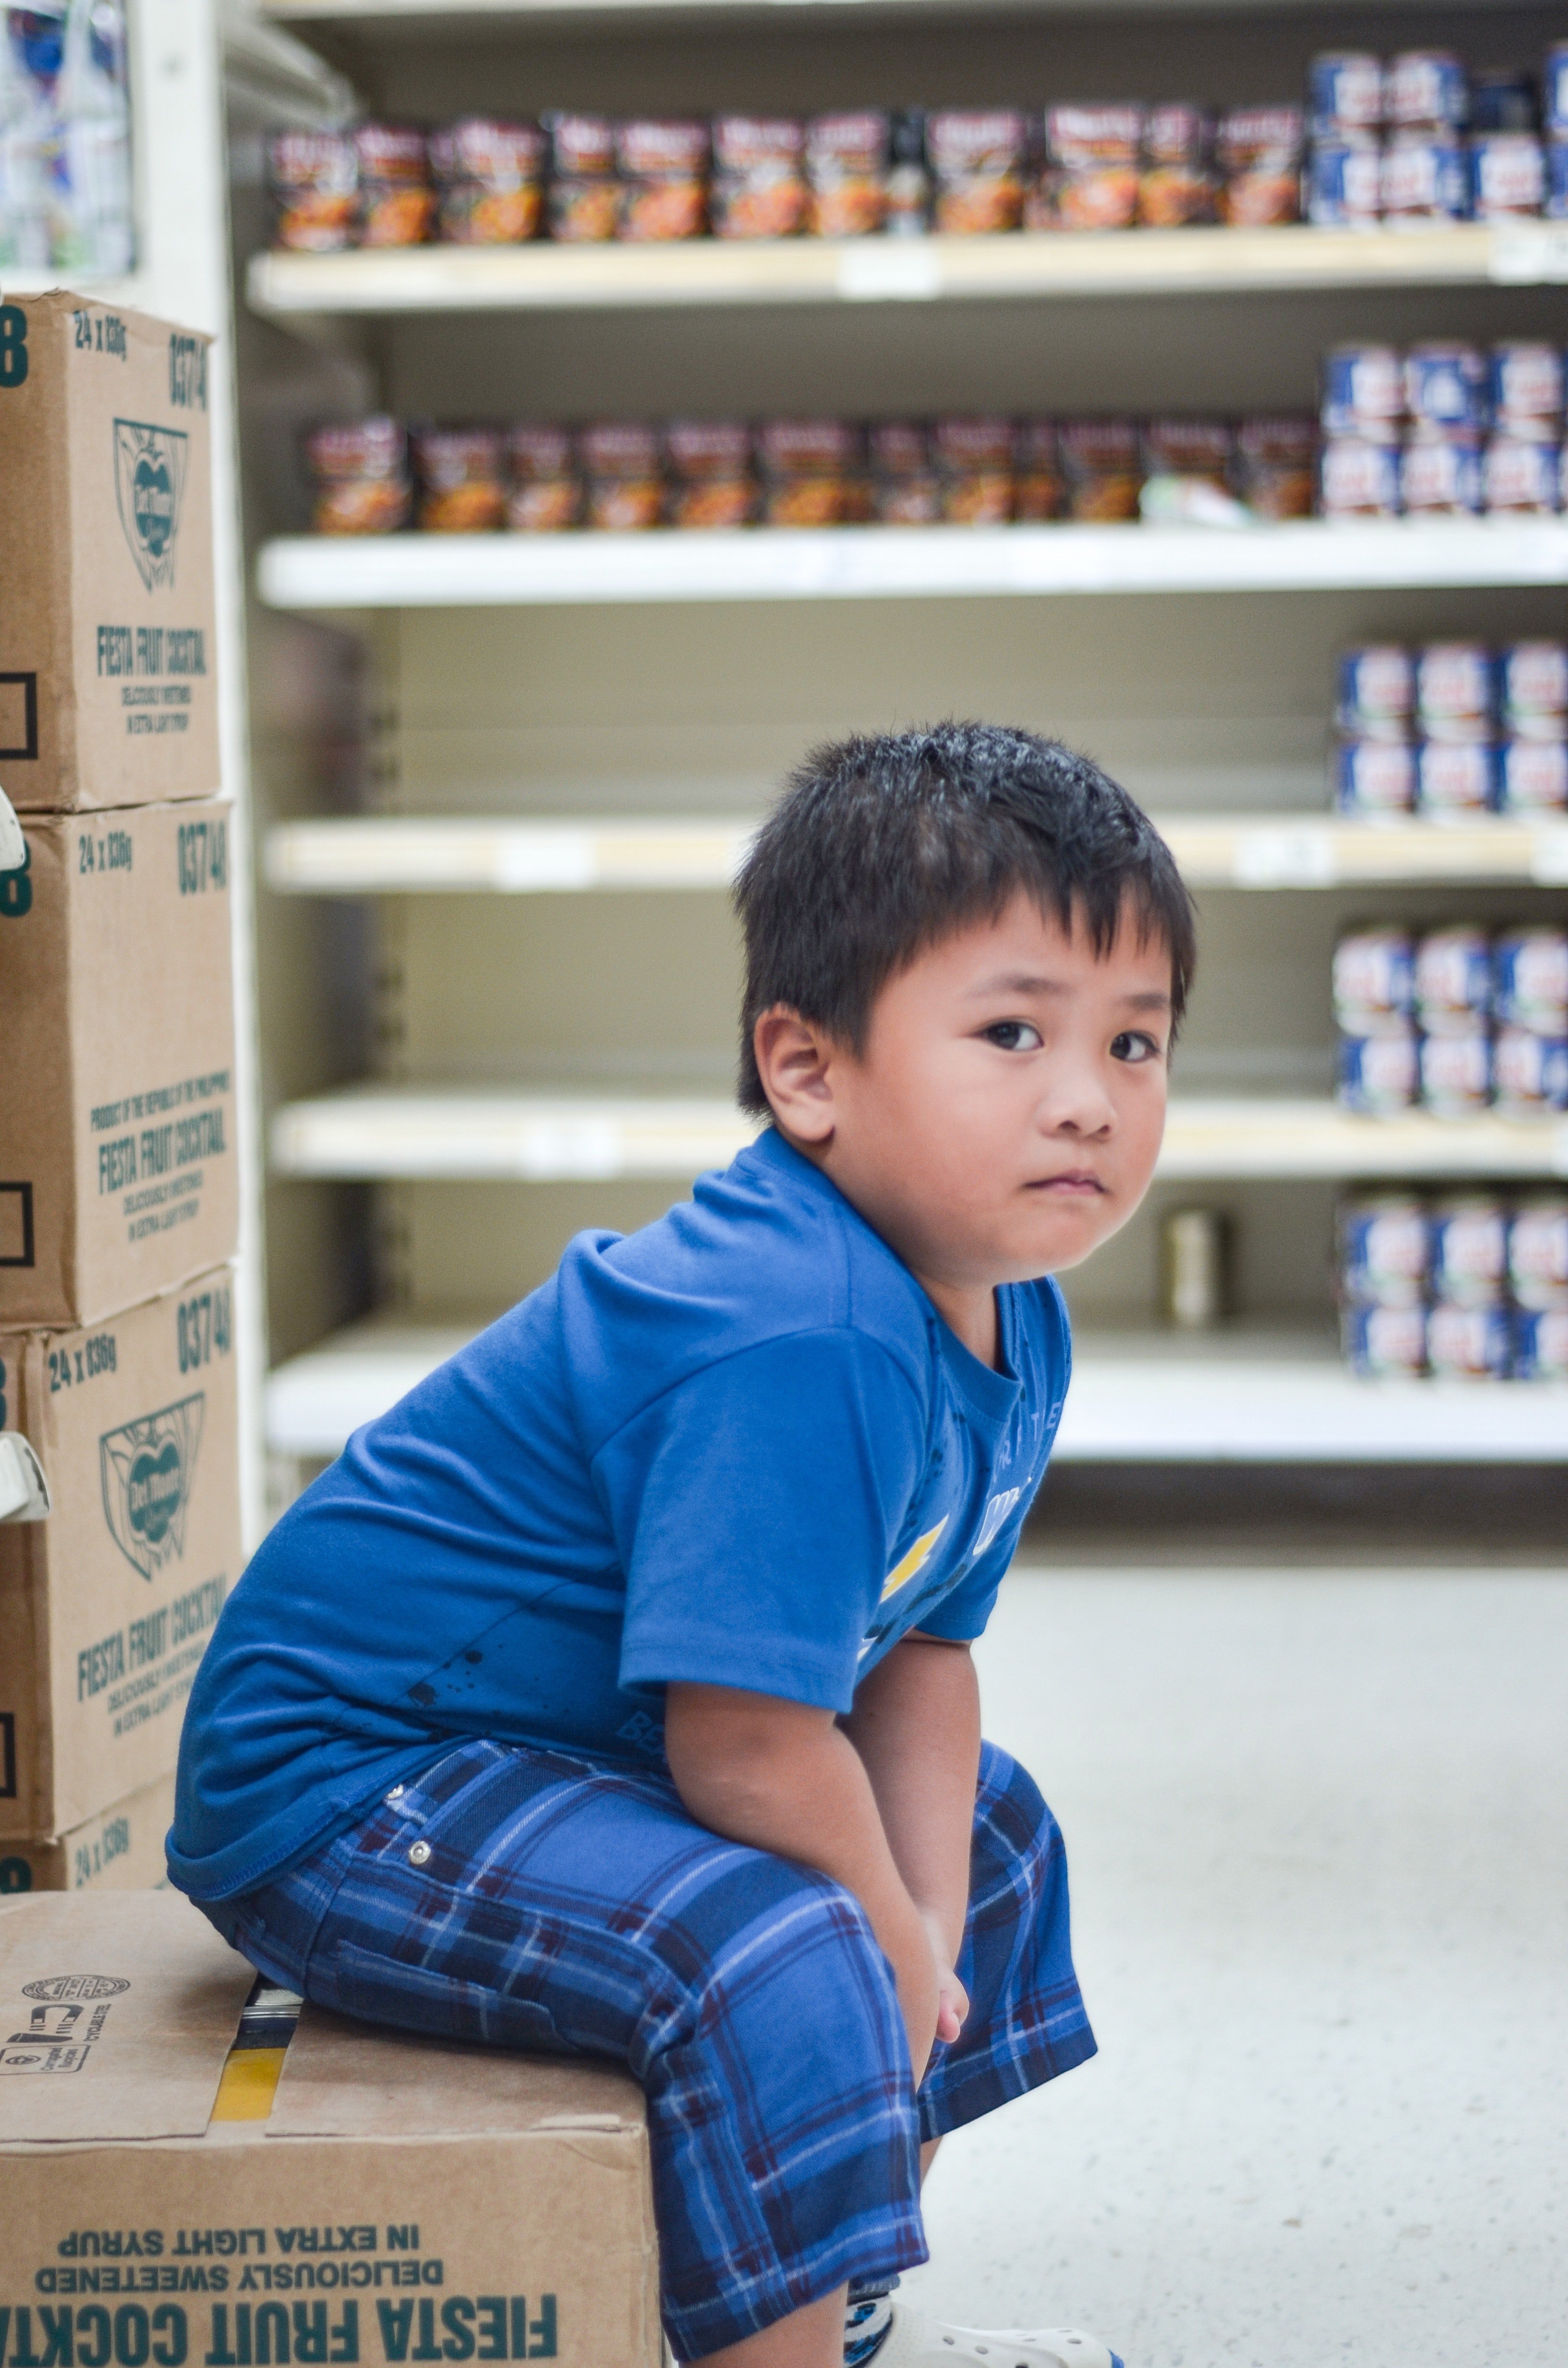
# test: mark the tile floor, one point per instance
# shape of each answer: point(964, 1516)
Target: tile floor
point(1319, 1834)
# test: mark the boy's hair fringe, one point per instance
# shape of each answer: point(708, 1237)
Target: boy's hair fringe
point(881, 845)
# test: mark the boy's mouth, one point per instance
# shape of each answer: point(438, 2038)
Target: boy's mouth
point(1071, 1182)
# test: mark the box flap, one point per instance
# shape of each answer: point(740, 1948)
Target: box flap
point(120, 2009)
point(347, 2079)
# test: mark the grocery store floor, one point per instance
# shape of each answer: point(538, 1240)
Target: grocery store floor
point(1318, 1823)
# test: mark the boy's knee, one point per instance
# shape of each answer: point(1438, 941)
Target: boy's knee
point(1012, 1818)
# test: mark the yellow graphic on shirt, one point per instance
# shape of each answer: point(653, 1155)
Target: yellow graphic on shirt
point(915, 1559)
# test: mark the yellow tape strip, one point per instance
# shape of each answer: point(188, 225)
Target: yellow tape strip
point(249, 2084)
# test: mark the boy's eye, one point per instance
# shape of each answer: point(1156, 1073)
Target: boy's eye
point(1015, 1036)
point(1132, 1044)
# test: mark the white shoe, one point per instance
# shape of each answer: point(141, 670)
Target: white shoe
point(913, 2340)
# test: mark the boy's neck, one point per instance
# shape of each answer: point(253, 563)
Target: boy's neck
point(971, 1313)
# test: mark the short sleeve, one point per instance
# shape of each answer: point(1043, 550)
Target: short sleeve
point(755, 1506)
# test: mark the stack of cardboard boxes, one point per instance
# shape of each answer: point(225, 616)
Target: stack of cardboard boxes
point(118, 1192)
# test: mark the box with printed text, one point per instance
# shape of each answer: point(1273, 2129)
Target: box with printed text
point(107, 696)
point(106, 1605)
point(120, 1848)
point(117, 1123)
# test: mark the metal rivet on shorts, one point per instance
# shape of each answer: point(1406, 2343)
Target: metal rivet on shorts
point(396, 1794)
point(418, 1853)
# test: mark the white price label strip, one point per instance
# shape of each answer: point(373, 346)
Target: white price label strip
point(1301, 857)
point(872, 272)
point(1530, 252)
point(1549, 857)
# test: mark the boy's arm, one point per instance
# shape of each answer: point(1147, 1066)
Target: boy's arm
point(783, 1777)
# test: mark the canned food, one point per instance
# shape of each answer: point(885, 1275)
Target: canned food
point(1520, 478)
point(846, 161)
point(582, 202)
point(1470, 1251)
point(709, 461)
point(1276, 465)
point(1089, 180)
point(490, 178)
point(1453, 976)
point(1384, 1343)
point(1363, 392)
point(1345, 182)
point(662, 165)
point(1188, 448)
point(1258, 153)
point(977, 163)
point(461, 477)
point(1555, 88)
point(1470, 1344)
point(1380, 1073)
point(1555, 205)
point(1530, 979)
point(1374, 777)
point(974, 461)
point(1540, 1345)
point(1532, 681)
point(397, 201)
point(1456, 1072)
point(1447, 384)
point(1427, 87)
point(1194, 1245)
point(1525, 386)
point(758, 188)
point(1376, 692)
point(1101, 470)
point(1532, 776)
point(1531, 1071)
point(1385, 1249)
point(1507, 172)
point(1425, 177)
point(1454, 690)
point(1175, 179)
point(1346, 86)
point(1441, 477)
point(1538, 1251)
point(1357, 478)
point(1456, 776)
point(622, 463)
point(907, 189)
point(361, 472)
point(314, 181)
point(1374, 976)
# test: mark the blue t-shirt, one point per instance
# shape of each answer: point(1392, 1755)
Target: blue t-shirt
point(740, 1448)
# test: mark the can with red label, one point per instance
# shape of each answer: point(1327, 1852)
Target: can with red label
point(1385, 1249)
point(1440, 477)
point(1456, 776)
point(1427, 87)
point(1425, 177)
point(1374, 777)
point(1520, 478)
point(1374, 977)
point(1524, 382)
point(1468, 1250)
point(1453, 977)
point(1470, 1344)
point(1357, 478)
point(1540, 1345)
point(1532, 776)
point(1531, 1071)
point(1378, 1068)
point(1507, 175)
point(1532, 688)
point(1363, 392)
point(1344, 180)
point(1376, 689)
point(1446, 385)
point(1530, 979)
point(1456, 1072)
point(1384, 1343)
point(1346, 86)
point(1538, 1251)
point(1456, 691)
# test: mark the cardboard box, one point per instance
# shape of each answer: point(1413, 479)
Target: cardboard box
point(405, 2200)
point(106, 1606)
point(120, 1850)
point(107, 696)
point(117, 1044)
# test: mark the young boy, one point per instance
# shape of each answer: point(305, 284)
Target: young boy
point(612, 1695)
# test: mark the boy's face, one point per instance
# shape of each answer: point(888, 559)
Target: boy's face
point(1006, 1114)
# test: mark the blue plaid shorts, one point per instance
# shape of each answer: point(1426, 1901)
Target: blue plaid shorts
point(578, 1908)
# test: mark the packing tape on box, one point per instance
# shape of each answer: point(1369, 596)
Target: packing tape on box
point(24, 1491)
point(13, 845)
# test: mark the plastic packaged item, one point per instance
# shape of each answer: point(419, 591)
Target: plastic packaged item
point(1426, 88)
point(315, 180)
point(1275, 463)
point(1258, 153)
point(1345, 182)
point(1507, 172)
point(1456, 1071)
point(1447, 386)
point(1456, 691)
point(1532, 776)
point(1453, 977)
point(846, 167)
point(1502, 99)
point(1188, 448)
point(1374, 977)
point(1520, 479)
point(1375, 694)
point(462, 476)
point(621, 463)
point(1378, 1068)
point(1344, 88)
point(1385, 1249)
point(1039, 488)
point(907, 208)
point(1195, 1246)
point(662, 163)
point(361, 477)
point(1363, 393)
point(1468, 1250)
point(1357, 478)
point(1531, 681)
point(1089, 177)
point(583, 200)
point(810, 472)
point(1525, 386)
point(1440, 476)
point(1531, 1072)
point(490, 179)
point(91, 223)
point(1384, 1343)
point(1176, 182)
point(1470, 1344)
point(1538, 1251)
point(758, 187)
point(1540, 1345)
point(974, 465)
point(1100, 469)
point(1531, 967)
point(544, 493)
point(397, 200)
point(1374, 777)
point(905, 489)
point(977, 166)
point(1425, 178)
point(711, 484)
point(31, 55)
point(1456, 776)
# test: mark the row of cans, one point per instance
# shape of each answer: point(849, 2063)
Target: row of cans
point(1453, 475)
point(1442, 386)
point(1518, 776)
point(1449, 978)
point(1457, 1249)
point(1386, 1067)
point(1453, 690)
point(1354, 90)
point(1356, 179)
point(1459, 1344)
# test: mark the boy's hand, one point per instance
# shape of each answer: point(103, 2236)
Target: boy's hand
point(953, 1999)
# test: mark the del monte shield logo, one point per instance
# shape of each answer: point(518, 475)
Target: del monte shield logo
point(149, 487)
point(145, 1468)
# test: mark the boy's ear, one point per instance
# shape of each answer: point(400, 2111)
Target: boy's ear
point(795, 1059)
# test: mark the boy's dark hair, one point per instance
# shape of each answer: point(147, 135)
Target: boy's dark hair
point(880, 847)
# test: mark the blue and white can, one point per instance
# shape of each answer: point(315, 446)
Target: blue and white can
point(1532, 688)
point(1446, 385)
point(1425, 177)
point(1345, 182)
point(1507, 175)
point(1376, 692)
point(1374, 777)
point(1502, 101)
point(1456, 776)
point(1531, 1072)
point(1427, 87)
point(1456, 690)
point(1374, 978)
point(1455, 1070)
point(1556, 205)
point(1453, 976)
point(1538, 1251)
point(1530, 979)
point(1520, 478)
point(1384, 1343)
point(1555, 88)
point(1532, 776)
point(1357, 478)
point(1363, 392)
point(1470, 1251)
point(1525, 386)
point(1470, 1344)
point(1385, 1249)
point(1441, 478)
point(1378, 1069)
point(1345, 90)
point(1540, 1345)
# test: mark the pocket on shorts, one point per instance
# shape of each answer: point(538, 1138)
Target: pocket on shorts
point(437, 2005)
